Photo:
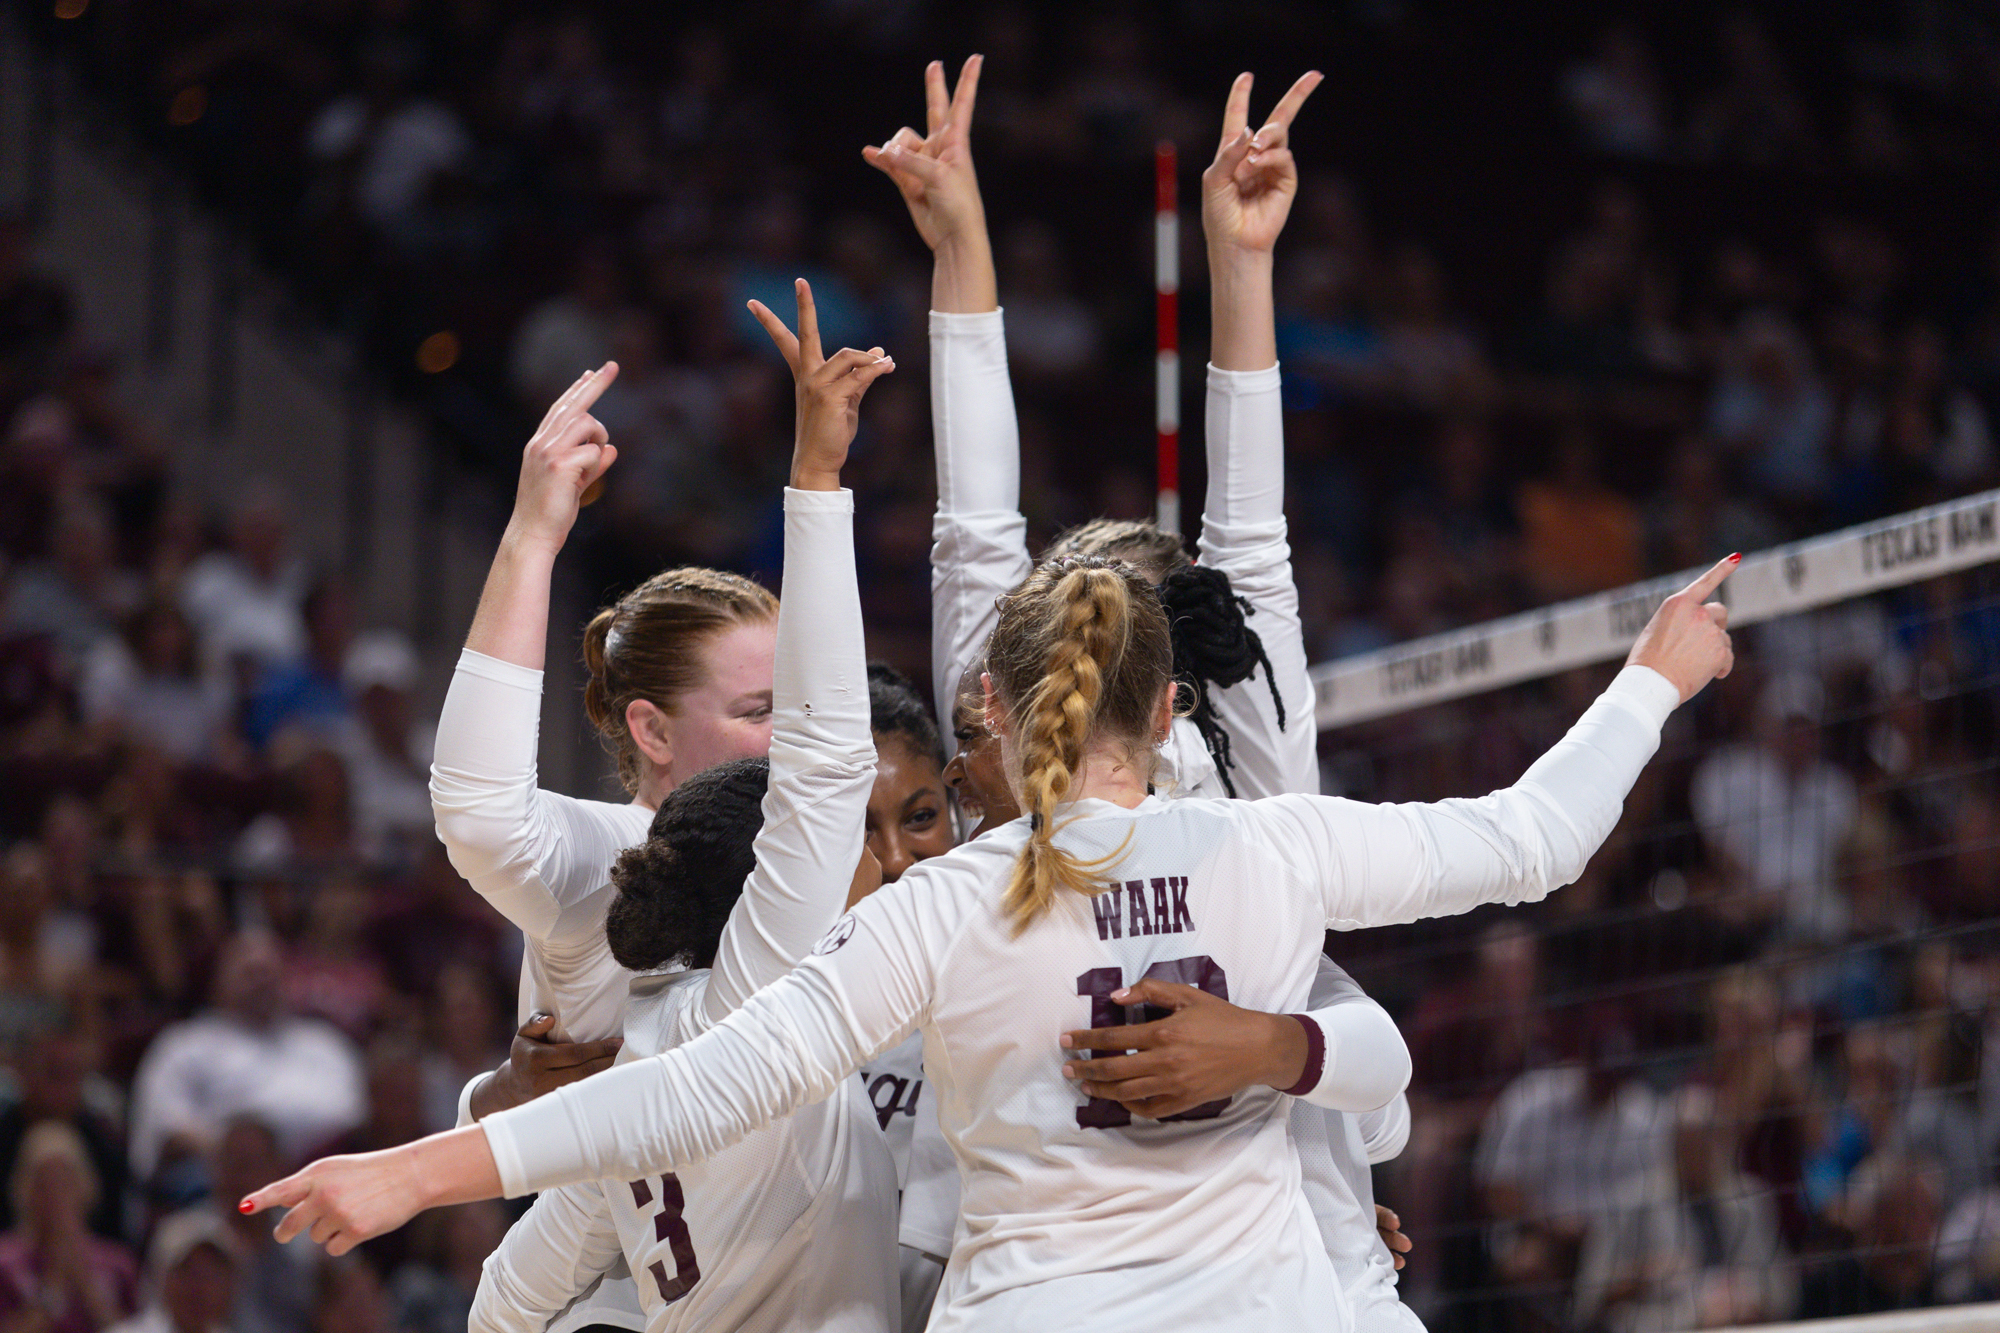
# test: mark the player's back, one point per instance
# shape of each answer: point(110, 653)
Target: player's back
point(1075, 1213)
point(795, 1222)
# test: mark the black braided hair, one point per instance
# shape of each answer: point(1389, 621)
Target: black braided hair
point(1213, 647)
point(895, 708)
point(676, 889)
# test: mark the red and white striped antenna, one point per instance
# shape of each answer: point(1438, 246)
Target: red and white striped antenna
point(1167, 362)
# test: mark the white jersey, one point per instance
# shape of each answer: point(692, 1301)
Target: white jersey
point(979, 550)
point(801, 1214)
point(798, 1216)
point(1074, 1214)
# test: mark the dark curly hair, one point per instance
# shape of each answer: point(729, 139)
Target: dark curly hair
point(676, 889)
point(1213, 647)
point(895, 708)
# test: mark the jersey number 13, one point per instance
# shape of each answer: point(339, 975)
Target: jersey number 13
point(1200, 971)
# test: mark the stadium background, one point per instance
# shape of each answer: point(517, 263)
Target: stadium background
point(1567, 299)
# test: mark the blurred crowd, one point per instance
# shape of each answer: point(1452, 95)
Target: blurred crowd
point(229, 937)
point(1560, 306)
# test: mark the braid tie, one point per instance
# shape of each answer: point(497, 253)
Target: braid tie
point(1213, 647)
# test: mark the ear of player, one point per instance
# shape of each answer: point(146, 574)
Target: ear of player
point(1687, 640)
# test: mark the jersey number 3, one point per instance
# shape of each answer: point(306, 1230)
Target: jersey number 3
point(671, 1230)
point(1200, 971)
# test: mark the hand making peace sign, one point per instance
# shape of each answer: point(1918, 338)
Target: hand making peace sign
point(828, 392)
point(934, 170)
point(1246, 193)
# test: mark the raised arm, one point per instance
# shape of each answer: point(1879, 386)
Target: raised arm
point(979, 540)
point(1246, 196)
point(536, 856)
point(1378, 865)
point(822, 751)
point(867, 986)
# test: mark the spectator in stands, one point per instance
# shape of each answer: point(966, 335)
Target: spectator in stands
point(35, 312)
point(352, 1298)
point(1432, 357)
point(1759, 1068)
point(49, 1261)
point(330, 970)
point(54, 1085)
point(1697, 1247)
point(1058, 332)
point(1563, 1146)
point(78, 596)
point(245, 600)
point(1616, 98)
point(191, 1268)
point(148, 683)
point(434, 1292)
point(307, 691)
point(386, 749)
point(1577, 534)
point(382, 148)
point(246, 1054)
point(1893, 1210)
point(1774, 814)
point(466, 1037)
point(37, 970)
point(570, 329)
point(429, 919)
point(1755, 117)
point(1769, 406)
point(1697, 513)
point(275, 1284)
point(312, 825)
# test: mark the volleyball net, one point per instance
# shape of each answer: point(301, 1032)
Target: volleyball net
point(1747, 1069)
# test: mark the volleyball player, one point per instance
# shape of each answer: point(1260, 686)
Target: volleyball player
point(679, 680)
point(1075, 1215)
point(1245, 734)
point(722, 898)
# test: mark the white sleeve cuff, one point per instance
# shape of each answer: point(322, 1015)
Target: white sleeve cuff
point(492, 668)
point(1238, 383)
point(1646, 692)
point(819, 502)
point(506, 1158)
point(978, 321)
point(465, 1116)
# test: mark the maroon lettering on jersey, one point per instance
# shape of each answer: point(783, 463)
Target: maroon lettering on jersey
point(1141, 922)
point(1162, 922)
point(1109, 909)
point(1183, 920)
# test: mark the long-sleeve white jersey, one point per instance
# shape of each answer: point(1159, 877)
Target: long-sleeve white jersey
point(799, 1215)
point(1074, 1214)
point(979, 553)
point(979, 550)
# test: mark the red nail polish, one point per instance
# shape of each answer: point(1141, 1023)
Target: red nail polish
point(245, 1206)
point(1737, 556)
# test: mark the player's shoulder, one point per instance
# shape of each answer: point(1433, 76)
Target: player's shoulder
point(656, 1005)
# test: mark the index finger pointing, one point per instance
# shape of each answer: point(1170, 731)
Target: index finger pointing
point(594, 390)
point(1294, 98)
point(286, 1193)
point(1709, 582)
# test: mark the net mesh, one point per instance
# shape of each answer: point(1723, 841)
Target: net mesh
point(1748, 1067)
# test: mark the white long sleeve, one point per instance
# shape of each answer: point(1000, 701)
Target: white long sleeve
point(548, 1258)
point(1243, 534)
point(541, 858)
point(1385, 1132)
point(979, 541)
point(877, 975)
point(822, 759)
point(1363, 1061)
point(1380, 865)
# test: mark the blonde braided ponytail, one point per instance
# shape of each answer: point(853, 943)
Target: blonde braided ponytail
point(1080, 655)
